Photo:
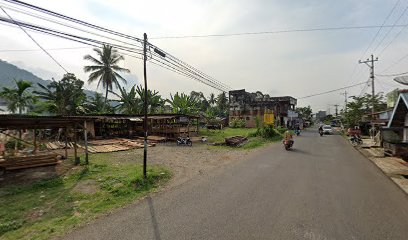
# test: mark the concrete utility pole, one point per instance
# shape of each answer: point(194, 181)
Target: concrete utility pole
point(345, 101)
point(145, 106)
point(370, 64)
point(336, 105)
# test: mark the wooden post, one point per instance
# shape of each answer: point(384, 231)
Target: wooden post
point(35, 141)
point(66, 142)
point(86, 143)
point(76, 159)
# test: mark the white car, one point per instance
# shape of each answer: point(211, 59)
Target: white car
point(327, 129)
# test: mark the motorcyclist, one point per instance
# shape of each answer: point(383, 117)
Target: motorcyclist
point(288, 137)
point(320, 129)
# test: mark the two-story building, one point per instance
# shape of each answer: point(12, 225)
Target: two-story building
point(253, 106)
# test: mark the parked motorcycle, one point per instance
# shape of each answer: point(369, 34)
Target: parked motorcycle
point(184, 141)
point(288, 144)
point(356, 140)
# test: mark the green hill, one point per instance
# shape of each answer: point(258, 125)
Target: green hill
point(8, 72)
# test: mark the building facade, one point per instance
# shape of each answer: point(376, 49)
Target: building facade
point(253, 106)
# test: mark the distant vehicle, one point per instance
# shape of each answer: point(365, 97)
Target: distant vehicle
point(327, 129)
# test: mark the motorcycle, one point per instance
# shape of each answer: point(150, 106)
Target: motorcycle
point(321, 133)
point(297, 132)
point(184, 141)
point(356, 140)
point(288, 144)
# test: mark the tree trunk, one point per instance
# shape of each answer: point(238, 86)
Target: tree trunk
point(106, 100)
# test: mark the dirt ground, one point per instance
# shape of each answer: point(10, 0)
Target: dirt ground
point(185, 162)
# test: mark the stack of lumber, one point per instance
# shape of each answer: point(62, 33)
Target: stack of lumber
point(58, 145)
point(235, 141)
point(113, 145)
point(154, 139)
point(29, 161)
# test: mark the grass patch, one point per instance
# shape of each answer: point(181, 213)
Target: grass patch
point(220, 135)
point(254, 141)
point(50, 208)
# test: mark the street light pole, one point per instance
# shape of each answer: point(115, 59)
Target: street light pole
point(145, 106)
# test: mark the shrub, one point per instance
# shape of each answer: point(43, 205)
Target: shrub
point(237, 123)
point(12, 142)
point(267, 132)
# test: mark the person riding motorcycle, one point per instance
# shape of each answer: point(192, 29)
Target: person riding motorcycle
point(288, 137)
point(320, 129)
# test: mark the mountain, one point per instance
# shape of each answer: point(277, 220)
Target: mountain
point(9, 72)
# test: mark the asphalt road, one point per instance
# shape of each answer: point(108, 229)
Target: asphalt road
point(321, 190)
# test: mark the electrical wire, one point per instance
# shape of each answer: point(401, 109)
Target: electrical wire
point(390, 29)
point(48, 49)
point(334, 90)
point(379, 30)
point(182, 65)
point(391, 75)
point(38, 44)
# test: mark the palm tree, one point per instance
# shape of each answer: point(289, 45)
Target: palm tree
point(96, 104)
point(105, 70)
point(129, 101)
point(212, 99)
point(154, 100)
point(184, 104)
point(18, 99)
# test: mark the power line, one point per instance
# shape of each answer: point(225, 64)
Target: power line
point(379, 30)
point(391, 75)
point(334, 90)
point(390, 29)
point(182, 66)
point(282, 31)
point(38, 44)
point(48, 49)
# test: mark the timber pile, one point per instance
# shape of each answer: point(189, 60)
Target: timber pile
point(113, 145)
point(58, 145)
point(235, 141)
point(29, 161)
point(154, 139)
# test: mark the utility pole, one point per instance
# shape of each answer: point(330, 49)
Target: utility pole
point(345, 101)
point(336, 105)
point(370, 64)
point(145, 106)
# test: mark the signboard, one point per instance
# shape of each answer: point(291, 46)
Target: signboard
point(292, 114)
point(269, 119)
point(183, 119)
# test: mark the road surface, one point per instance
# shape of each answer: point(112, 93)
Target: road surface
point(321, 190)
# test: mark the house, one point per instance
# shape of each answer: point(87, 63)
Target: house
point(395, 135)
point(252, 106)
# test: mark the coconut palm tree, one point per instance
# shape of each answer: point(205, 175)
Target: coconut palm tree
point(18, 99)
point(154, 100)
point(105, 69)
point(129, 103)
point(212, 100)
point(96, 104)
point(184, 104)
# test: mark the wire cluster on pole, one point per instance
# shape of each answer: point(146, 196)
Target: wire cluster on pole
point(96, 36)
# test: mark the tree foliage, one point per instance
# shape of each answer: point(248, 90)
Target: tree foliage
point(65, 97)
point(18, 99)
point(304, 112)
point(105, 69)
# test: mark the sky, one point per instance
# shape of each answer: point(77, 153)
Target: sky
point(297, 64)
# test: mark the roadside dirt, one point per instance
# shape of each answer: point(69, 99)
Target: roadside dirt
point(185, 162)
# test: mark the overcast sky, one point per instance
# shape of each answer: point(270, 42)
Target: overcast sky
point(296, 64)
